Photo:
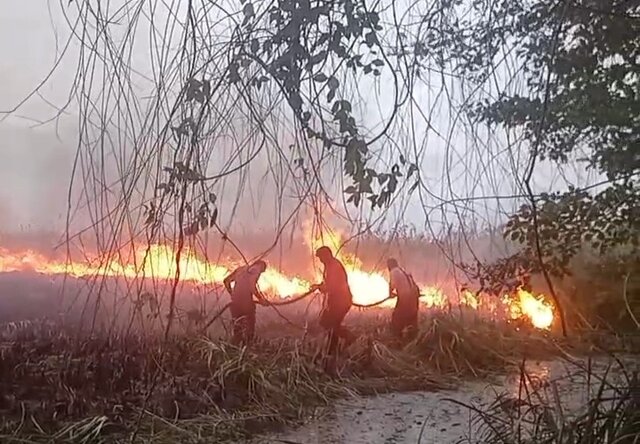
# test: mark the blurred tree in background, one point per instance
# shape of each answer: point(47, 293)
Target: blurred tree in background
point(580, 61)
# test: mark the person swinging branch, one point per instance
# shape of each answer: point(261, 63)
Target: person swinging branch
point(243, 306)
point(337, 302)
point(405, 314)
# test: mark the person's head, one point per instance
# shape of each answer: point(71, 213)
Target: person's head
point(392, 263)
point(259, 266)
point(324, 254)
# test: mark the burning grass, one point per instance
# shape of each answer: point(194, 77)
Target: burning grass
point(57, 387)
point(157, 263)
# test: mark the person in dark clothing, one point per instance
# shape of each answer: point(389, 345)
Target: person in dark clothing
point(243, 307)
point(337, 302)
point(405, 314)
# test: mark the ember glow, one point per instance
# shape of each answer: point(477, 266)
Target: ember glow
point(159, 262)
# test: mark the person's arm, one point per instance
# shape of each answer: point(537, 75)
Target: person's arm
point(392, 285)
point(228, 280)
point(322, 286)
point(261, 299)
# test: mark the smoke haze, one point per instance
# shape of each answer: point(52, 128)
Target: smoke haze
point(36, 158)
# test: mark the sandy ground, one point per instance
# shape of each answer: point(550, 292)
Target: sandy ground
point(429, 418)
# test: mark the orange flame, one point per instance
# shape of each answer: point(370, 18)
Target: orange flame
point(159, 262)
point(469, 299)
point(536, 308)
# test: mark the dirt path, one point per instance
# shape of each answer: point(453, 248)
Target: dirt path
point(391, 418)
point(421, 417)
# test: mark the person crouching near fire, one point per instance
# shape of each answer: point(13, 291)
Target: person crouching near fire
point(405, 314)
point(243, 306)
point(336, 304)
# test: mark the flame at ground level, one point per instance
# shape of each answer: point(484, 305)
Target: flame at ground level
point(536, 308)
point(159, 262)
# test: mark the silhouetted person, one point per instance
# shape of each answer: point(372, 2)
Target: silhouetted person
point(405, 315)
point(337, 302)
point(243, 307)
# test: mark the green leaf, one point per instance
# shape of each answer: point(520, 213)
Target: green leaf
point(412, 169)
point(318, 58)
point(214, 218)
point(248, 12)
point(350, 189)
point(295, 101)
point(255, 46)
point(320, 77)
point(370, 39)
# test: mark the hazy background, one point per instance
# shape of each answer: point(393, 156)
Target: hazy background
point(38, 147)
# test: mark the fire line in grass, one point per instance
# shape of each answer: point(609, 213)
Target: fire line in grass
point(159, 262)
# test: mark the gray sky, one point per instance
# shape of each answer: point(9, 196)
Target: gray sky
point(36, 159)
point(35, 162)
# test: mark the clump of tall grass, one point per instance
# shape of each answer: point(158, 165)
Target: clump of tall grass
point(204, 389)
